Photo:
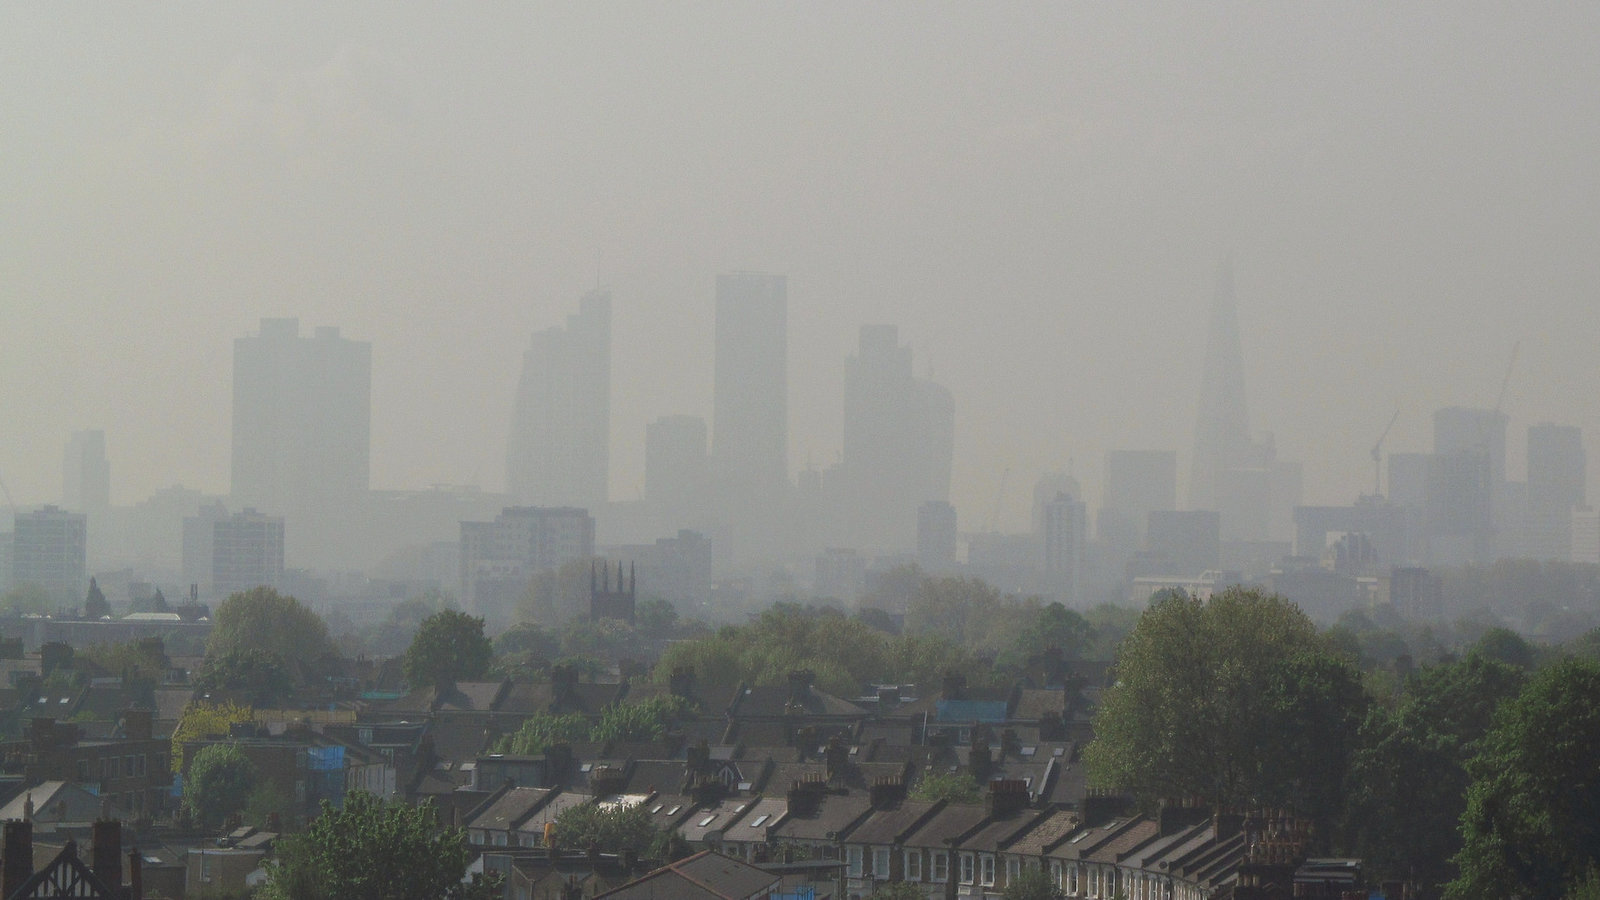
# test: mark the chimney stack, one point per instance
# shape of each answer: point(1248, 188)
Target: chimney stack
point(105, 851)
point(1007, 797)
point(17, 864)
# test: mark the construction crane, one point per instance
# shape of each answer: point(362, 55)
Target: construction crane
point(1377, 455)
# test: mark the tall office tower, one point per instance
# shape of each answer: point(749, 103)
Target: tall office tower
point(50, 549)
point(1062, 526)
point(937, 536)
point(1222, 430)
point(675, 457)
point(1557, 483)
point(86, 475)
point(750, 399)
point(1137, 482)
point(246, 553)
point(1185, 543)
point(1586, 536)
point(899, 438)
point(302, 432)
point(1460, 429)
point(499, 558)
point(559, 453)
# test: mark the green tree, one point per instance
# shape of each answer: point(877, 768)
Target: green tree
point(144, 659)
point(201, 719)
point(256, 674)
point(1033, 883)
point(95, 605)
point(1532, 823)
point(1507, 646)
point(540, 730)
point(609, 829)
point(155, 603)
point(219, 784)
point(644, 721)
point(527, 637)
point(656, 617)
point(1408, 778)
point(1055, 626)
point(449, 647)
point(263, 619)
point(1217, 698)
point(951, 787)
point(371, 850)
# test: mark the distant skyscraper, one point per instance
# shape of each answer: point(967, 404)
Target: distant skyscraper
point(559, 453)
point(86, 475)
point(246, 553)
point(938, 535)
point(50, 549)
point(1460, 429)
point(1557, 483)
point(899, 438)
point(302, 431)
point(1137, 482)
point(1062, 532)
point(1222, 429)
point(676, 450)
point(750, 398)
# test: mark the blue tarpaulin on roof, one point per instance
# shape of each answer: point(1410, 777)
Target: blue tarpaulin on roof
point(325, 759)
point(971, 710)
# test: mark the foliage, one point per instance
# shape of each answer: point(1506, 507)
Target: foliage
point(845, 653)
point(220, 782)
point(896, 890)
point(951, 787)
point(262, 618)
point(257, 674)
point(1548, 597)
point(1221, 699)
point(1033, 883)
point(200, 719)
point(371, 850)
point(449, 647)
point(1507, 646)
point(541, 730)
point(527, 637)
point(643, 721)
point(1408, 779)
point(1055, 626)
point(145, 659)
point(656, 617)
point(609, 829)
point(1532, 823)
point(25, 599)
point(267, 801)
point(95, 605)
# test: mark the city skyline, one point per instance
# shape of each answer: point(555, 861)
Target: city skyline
point(1037, 196)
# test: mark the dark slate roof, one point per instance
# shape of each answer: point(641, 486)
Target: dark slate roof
point(837, 813)
point(947, 825)
point(507, 810)
point(884, 826)
point(774, 702)
point(1035, 702)
point(704, 876)
point(1044, 834)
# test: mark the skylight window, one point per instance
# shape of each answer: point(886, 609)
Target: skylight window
point(759, 820)
point(707, 820)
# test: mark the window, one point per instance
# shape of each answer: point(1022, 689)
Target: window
point(913, 863)
point(1013, 870)
point(1055, 874)
point(986, 869)
point(205, 866)
point(966, 868)
point(853, 857)
point(941, 865)
point(880, 863)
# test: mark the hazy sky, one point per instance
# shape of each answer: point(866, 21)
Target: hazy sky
point(1037, 194)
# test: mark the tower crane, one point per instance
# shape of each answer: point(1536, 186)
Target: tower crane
point(1377, 455)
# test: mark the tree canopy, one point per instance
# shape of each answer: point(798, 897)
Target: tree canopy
point(251, 673)
point(951, 787)
point(371, 850)
point(1532, 823)
point(1223, 699)
point(449, 647)
point(263, 619)
point(95, 605)
point(220, 782)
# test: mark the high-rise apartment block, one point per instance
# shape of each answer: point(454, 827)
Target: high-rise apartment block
point(750, 398)
point(1062, 532)
point(1557, 485)
point(559, 453)
point(899, 439)
point(86, 474)
point(246, 553)
point(676, 452)
point(499, 558)
point(302, 431)
point(50, 549)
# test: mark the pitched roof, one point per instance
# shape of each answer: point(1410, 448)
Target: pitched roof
point(704, 876)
